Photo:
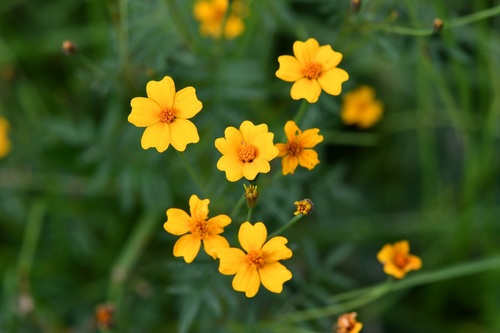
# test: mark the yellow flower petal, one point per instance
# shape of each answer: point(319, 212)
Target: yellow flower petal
point(290, 69)
point(162, 92)
point(232, 260)
point(291, 130)
point(184, 132)
point(186, 103)
point(289, 164)
point(247, 280)
point(214, 244)
point(283, 150)
point(178, 222)
point(308, 159)
point(305, 51)
point(265, 146)
point(331, 80)
point(232, 165)
point(402, 247)
point(145, 112)
point(414, 263)
point(250, 132)
point(385, 254)
point(273, 276)
point(188, 247)
point(252, 237)
point(305, 88)
point(393, 270)
point(234, 27)
point(220, 220)
point(198, 208)
point(259, 165)
point(157, 136)
point(275, 249)
point(327, 57)
point(357, 327)
point(231, 143)
point(310, 138)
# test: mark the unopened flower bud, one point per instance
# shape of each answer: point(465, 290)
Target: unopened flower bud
point(438, 25)
point(304, 206)
point(356, 5)
point(69, 47)
point(251, 195)
point(105, 316)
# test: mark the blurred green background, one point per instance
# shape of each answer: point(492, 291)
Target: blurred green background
point(82, 205)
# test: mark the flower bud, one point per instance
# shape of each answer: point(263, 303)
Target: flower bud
point(251, 195)
point(69, 47)
point(304, 206)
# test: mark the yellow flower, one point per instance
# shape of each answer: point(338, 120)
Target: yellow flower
point(298, 149)
point(165, 115)
point(196, 228)
point(260, 262)
point(246, 152)
point(360, 108)
point(347, 323)
point(396, 259)
point(211, 14)
point(4, 139)
point(304, 206)
point(312, 69)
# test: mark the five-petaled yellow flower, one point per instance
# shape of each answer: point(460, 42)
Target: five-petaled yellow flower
point(196, 228)
point(314, 68)
point(397, 260)
point(246, 152)
point(298, 150)
point(347, 323)
point(211, 15)
point(165, 115)
point(361, 108)
point(4, 139)
point(260, 262)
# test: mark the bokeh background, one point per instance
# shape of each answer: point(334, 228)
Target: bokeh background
point(82, 205)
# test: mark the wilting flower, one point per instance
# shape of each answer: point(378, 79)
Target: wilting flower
point(246, 152)
point(360, 108)
point(312, 69)
point(165, 115)
point(260, 262)
point(196, 228)
point(4, 139)
point(396, 259)
point(298, 149)
point(347, 323)
point(211, 14)
point(304, 206)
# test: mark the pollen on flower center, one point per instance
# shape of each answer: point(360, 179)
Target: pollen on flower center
point(167, 115)
point(400, 260)
point(294, 148)
point(312, 71)
point(247, 153)
point(200, 229)
point(255, 259)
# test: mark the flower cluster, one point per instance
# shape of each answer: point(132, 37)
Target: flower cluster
point(216, 21)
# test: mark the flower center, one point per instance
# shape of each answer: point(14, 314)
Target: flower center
point(400, 260)
point(167, 115)
point(294, 148)
point(247, 153)
point(255, 259)
point(200, 229)
point(312, 71)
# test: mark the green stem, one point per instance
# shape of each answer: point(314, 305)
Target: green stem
point(237, 207)
point(287, 225)
point(249, 214)
point(192, 173)
point(302, 110)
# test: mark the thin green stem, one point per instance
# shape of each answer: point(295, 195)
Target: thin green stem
point(249, 214)
point(238, 205)
point(287, 225)
point(302, 110)
point(192, 173)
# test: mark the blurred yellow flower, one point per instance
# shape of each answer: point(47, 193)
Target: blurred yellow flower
point(211, 15)
point(196, 228)
point(396, 259)
point(246, 152)
point(347, 323)
point(312, 69)
point(298, 149)
point(360, 108)
point(4, 139)
point(260, 262)
point(165, 115)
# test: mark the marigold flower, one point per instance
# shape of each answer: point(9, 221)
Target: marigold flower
point(360, 108)
point(312, 69)
point(298, 149)
point(304, 206)
point(246, 152)
point(196, 228)
point(347, 323)
point(396, 259)
point(4, 139)
point(260, 262)
point(211, 15)
point(165, 115)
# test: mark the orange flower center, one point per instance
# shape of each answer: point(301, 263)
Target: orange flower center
point(200, 229)
point(247, 153)
point(312, 71)
point(294, 148)
point(255, 258)
point(167, 115)
point(400, 260)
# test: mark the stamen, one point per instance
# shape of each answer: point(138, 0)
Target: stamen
point(294, 148)
point(400, 260)
point(200, 229)
point(312, 71)
point(255, 258)
point(167, 116)
point(248, 153)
